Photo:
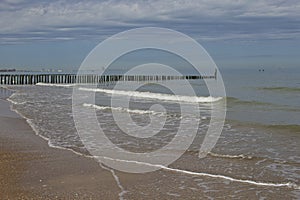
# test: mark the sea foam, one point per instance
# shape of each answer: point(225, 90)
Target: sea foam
point(252, 182)
point(159, 96)
point(97, 107)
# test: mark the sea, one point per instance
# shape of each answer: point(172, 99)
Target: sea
point(257, 155)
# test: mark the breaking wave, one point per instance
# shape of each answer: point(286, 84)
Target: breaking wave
point(159, 96)
point(55, 85)
point(240, 156)
point(121, 109)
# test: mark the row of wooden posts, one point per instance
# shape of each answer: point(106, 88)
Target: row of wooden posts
point(30, 79)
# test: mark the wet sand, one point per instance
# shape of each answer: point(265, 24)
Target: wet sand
point(30, 169)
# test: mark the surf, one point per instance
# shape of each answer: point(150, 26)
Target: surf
point(98, 107)
point(158, 96)
point(55, 85)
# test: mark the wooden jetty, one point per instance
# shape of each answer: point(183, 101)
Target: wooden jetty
point(32, 79)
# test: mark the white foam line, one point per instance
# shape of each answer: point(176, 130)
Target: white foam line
point(123, 191)
point(120, 109)
point(4, 86)
point(151, 95)
point(230, 156)
point(268, 184)
point(16, 103)
point(55, 85)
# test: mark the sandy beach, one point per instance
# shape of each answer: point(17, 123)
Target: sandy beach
point(30, 169)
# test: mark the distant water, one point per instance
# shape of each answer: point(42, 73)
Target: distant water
point(270, 97)
point(257, 155)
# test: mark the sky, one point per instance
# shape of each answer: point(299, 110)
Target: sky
point(58, 34)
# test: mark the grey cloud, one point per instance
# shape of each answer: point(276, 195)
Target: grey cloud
point(205, 20)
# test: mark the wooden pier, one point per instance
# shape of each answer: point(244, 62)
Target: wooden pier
point(32, 79)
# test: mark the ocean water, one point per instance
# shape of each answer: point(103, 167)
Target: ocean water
point(256, 157)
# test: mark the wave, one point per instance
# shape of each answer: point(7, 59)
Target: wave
point(258, 159)
point(159, 96)
point(55, 85)
point(149, 95)
point(265, 127)
point(241, 156)
point(282, 89)
point(258, 183)
point(234, 100)
point(121, 109)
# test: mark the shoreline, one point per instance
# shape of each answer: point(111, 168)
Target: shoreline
point(31, 169)
point(43, 171)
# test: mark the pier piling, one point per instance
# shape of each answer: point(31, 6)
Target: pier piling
point(32, 79)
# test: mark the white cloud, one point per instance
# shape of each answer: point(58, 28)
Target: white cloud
point(60, 17)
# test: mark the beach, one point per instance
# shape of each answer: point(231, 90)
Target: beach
point(256, 156)
point(143, 100)
point(30, 169)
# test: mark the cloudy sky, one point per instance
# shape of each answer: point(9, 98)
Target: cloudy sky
point(60, 33)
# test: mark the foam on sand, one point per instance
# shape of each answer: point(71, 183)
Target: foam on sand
point(258, 183)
